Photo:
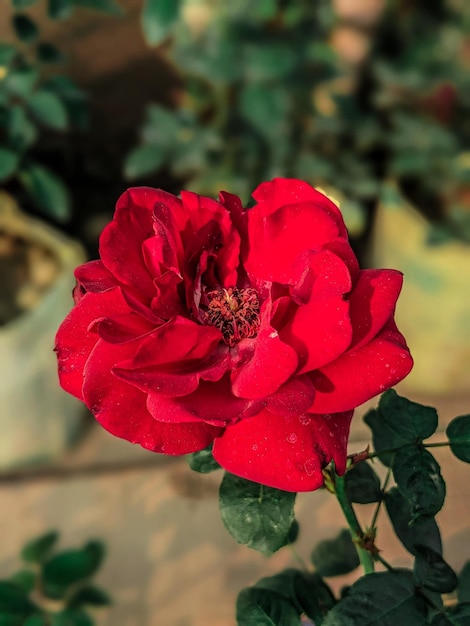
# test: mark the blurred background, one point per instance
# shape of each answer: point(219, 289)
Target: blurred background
point(366, 99)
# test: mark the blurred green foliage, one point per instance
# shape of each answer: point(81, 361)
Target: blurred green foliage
point(35, 97)
point(265, 95)
point(53, 588)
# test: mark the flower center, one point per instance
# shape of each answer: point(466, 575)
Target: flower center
point(235, 312)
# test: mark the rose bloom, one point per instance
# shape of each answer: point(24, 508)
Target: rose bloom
point(252, 329)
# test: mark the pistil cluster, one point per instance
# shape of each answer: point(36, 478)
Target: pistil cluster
point(235, 312)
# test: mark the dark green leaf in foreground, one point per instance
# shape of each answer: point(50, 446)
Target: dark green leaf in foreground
point(362, 484)
point(257, 516)
point(90, 595)
point(14, 600)
point(305, 590)
point(203, 461)
point(334, 557)
point(71, 617)
point(11, 620)
point(424, 531)
point(456, 616)
point(458, 433)
point(71, 567)
point(25, 28)
point(418, 477)
point(380, 599)
point(38, 619)
point(432, 572)
point(26, 579)
point(38, 549)
point(397, 421)
point(158, 16)
point(463, 588)
point(261, 607)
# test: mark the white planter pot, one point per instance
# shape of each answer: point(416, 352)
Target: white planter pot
point(433, 311)
point(37, 419)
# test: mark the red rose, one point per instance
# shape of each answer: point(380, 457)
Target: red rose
point(252, 329)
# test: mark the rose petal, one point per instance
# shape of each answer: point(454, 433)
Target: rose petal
point(121, 241)
point(287, 453)
point(319, 331)
point(372, 303)
point(278, 239)
point(74, 342)
point(94, 277)
point(361, 374)
point(212, 403)
point(266, 363)
point(294, 397)
point(121, 408)
point(281, 191)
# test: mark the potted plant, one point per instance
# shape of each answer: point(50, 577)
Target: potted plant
point(36, 260)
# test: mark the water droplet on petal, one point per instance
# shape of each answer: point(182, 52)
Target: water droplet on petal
point(292, 438)
point(305, 420)
point(254, 447)
point(310, 466)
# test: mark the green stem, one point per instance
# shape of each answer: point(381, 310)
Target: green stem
point(355, 529)
point(379, 503)
point(440, 444)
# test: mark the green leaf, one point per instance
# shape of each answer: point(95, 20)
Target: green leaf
point(306, 591)
point(362, 484)
point(26, 579)
point(47, 190)
point(203, 461)
point(257, 516)
point(293, 533)
point(22, 133)
point(14, 600)
point(106, 6)
point(455, 616)
point(71, 617)
point(38, 549)
point(432, 572)
point(9, 162)
point(144, 160)
point(38, 619)
point(11, 620)
point(7, 54)
point(21, 82)
point(397, 421)
point(385, 598)
point(266, 109)
point(463, 588)
point(458, 433)
point(59, 9)
point(261, 607)
point(162, 127)
point(158, 16)
point(48, 53)
point(70, 567)
point(424, 531)
point(94, 596)
point(267, 61)
point(23, 4)
point(25, 28)
point(48, 109)
point(334, 557)
point(418, 477)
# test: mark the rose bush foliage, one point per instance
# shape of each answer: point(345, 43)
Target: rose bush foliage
point(252, 329)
